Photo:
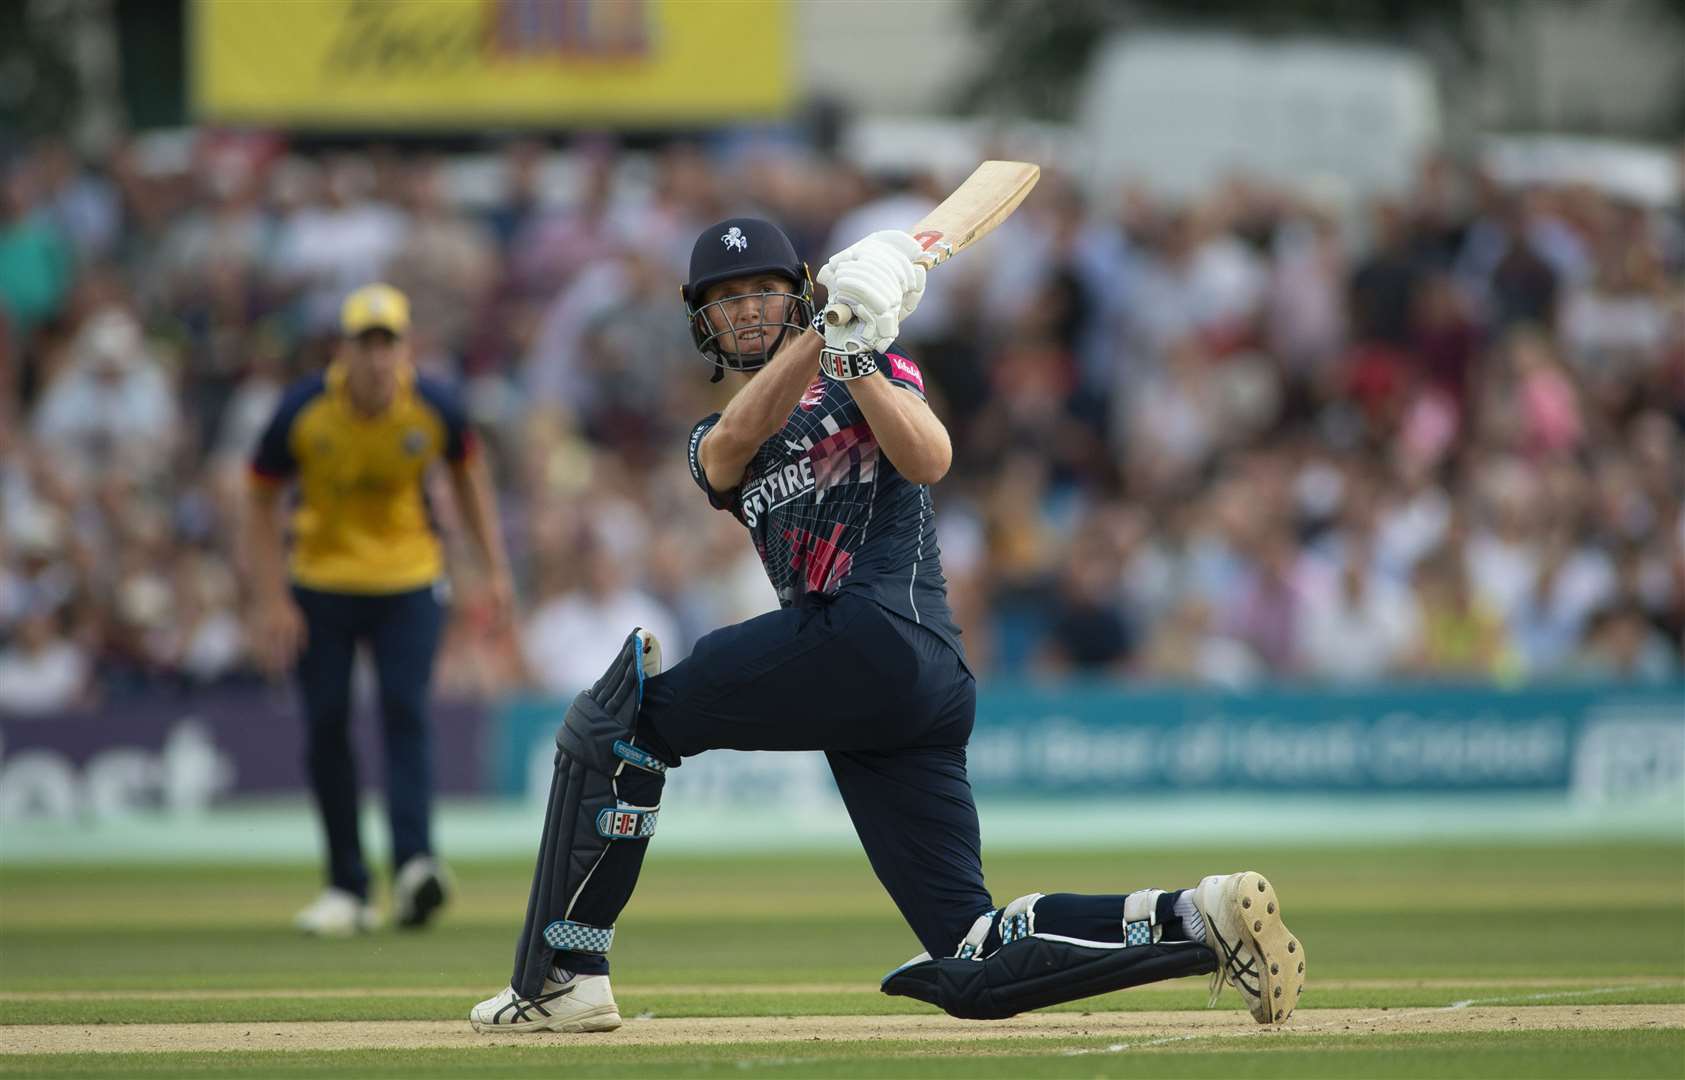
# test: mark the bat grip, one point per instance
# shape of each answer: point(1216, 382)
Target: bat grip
point(837, 314)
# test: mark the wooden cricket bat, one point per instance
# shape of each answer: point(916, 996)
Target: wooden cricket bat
point(987, 198)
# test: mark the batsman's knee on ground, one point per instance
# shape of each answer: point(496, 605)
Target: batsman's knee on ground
point(1011, 962)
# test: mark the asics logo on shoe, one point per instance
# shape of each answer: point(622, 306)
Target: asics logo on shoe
point(1232, 964)
point(537, 1004)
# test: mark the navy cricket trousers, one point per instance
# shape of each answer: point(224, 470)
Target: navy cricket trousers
point(402, 631)
point(889, 702)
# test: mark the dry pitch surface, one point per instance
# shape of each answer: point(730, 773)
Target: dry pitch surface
point(1131, 1029)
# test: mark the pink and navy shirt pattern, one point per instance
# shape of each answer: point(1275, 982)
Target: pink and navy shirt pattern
point(829, 513)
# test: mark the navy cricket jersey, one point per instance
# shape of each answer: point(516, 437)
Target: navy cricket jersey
point(829, 513)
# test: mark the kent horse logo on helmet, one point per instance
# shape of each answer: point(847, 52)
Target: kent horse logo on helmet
point(734, 240)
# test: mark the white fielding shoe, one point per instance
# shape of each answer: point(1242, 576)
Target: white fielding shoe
point(1256, 953)
point(582, 1003)
point(420, 889)
point(337, 913)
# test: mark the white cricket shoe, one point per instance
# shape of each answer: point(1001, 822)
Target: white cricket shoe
point(420, 889)
point(1256, 953)
point(337, 913)
point(580, 1003)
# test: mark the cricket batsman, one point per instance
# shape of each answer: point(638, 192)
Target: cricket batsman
point(825, 454)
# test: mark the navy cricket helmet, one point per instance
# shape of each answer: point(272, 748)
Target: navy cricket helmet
point(745, 247)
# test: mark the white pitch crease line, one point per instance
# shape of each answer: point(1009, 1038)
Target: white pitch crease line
point(1552, 995)
point(1392, 1014)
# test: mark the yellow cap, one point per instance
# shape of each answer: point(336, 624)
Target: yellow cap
point(375, 307)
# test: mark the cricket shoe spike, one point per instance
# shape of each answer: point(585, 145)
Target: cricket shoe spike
point(578, 1003)
point(1256, 953)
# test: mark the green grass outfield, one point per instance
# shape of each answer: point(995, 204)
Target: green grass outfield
point(1454, 960)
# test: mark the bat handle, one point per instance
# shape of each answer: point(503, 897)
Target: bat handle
point(837, 314)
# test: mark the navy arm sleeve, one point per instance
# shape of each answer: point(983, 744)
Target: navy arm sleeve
point(718, 500)
point(459, 437)
point(273, 459)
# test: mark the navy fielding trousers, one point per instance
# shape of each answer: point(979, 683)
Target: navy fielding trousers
point(402, 632)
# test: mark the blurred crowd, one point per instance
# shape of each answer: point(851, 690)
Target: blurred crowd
point(1269, 433)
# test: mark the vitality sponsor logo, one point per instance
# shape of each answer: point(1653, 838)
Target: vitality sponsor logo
point(904, 369)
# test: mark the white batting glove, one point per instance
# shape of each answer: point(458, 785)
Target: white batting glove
point(909, 249)
point(877, 279)
point(870, 293)
point(846, 353)
point(848, 338)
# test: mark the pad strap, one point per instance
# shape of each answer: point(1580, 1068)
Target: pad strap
point(641, 758)
point(971, 946)
point(627, 822)
point(1018, 921)
point(1140, 917)
point(572, 936)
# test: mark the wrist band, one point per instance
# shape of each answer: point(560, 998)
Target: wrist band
point(844, 366)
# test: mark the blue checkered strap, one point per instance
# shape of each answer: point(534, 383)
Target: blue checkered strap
point(627, 822)
point(578, 937)
point(1140, 917)
point(643, 759)
point(1018, 919)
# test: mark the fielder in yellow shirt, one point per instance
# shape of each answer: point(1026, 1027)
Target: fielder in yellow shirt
point(366, 566)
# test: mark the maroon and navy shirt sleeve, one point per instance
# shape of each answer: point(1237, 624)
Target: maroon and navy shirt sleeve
point(273, 458)
point(903, 373)
point(718, 500)
point(443, 400)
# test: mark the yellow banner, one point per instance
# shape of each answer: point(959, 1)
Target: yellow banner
point(421, 63)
